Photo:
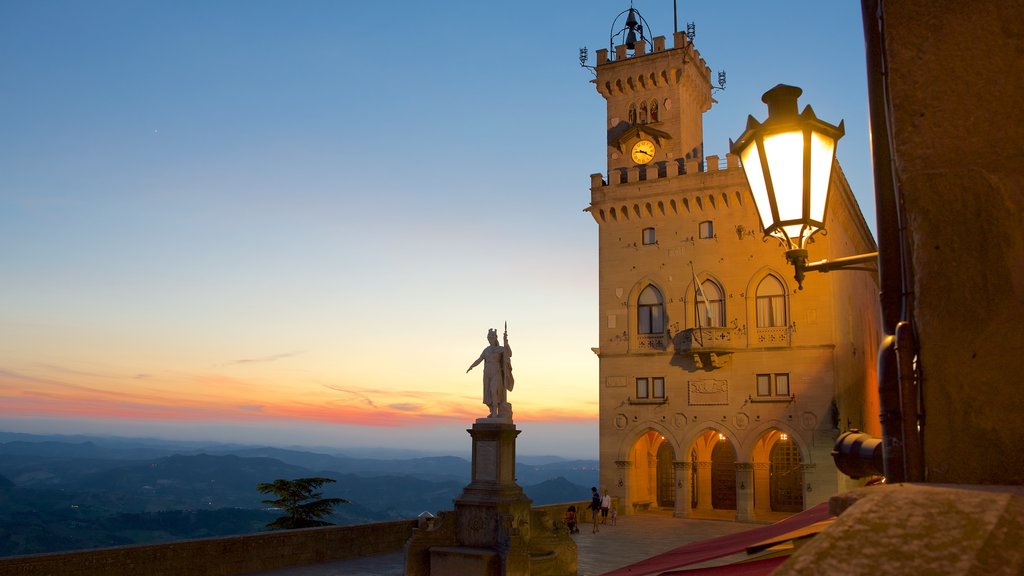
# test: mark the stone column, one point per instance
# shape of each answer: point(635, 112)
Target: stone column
point(626, 499)
point(652, 478)
point(762, 488)
point(744, 491)
point(684, 487)
point(704, 485)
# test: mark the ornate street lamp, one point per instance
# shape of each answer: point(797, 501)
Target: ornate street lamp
point(788, 163)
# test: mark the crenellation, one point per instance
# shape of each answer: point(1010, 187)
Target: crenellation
point(659, 43)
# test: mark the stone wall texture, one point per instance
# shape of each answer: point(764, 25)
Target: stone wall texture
point(219, 556)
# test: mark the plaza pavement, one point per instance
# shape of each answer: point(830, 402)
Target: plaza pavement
point(633, 538)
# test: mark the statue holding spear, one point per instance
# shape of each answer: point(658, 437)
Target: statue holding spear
point(498, 379)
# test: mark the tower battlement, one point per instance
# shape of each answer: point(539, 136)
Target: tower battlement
point(658, 67)
point(633, 193)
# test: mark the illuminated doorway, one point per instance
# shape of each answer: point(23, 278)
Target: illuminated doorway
point(723, 475)
point(787, 476)
point(666, 477)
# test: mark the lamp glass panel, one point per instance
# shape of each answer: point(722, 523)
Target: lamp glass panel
point(751, 159)
point(822, 150)
point(785, 155)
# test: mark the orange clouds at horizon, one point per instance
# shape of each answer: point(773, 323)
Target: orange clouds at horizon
point(224, 399)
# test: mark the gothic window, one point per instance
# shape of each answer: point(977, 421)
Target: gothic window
point(771, 303)
point(710, 304)
point(654, 110)
point(649, 236)
point(650, 312)
point(706, 229)
point(632, 114)
point(643, 112)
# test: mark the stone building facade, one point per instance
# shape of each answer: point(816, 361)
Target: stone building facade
point(722, 386)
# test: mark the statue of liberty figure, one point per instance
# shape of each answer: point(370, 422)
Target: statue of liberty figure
point(497, 374)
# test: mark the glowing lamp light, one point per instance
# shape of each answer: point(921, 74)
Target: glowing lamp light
point(788, 162)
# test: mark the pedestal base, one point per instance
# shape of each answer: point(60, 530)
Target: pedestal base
point(493, 522)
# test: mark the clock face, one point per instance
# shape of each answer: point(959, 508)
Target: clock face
point(643, 152)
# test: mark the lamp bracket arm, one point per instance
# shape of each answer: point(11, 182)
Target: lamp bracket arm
point(845, 263)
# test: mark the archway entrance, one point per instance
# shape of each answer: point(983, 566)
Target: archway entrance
point(787, 476)
point(778, 474)
point(666, 477)
point(723, 475)
point(652, 479)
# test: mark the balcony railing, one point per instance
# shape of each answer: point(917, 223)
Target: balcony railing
point(650, 342)
point(775, 336)
point(705, 339)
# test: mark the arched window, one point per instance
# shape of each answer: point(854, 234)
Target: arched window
point(650, 312)
point(632, 113)
point(771, 303)
point(654, 110)
point(643, 112)
point(710, 305)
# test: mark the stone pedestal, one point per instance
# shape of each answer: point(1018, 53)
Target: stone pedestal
point(493, 531)
point(492, 511)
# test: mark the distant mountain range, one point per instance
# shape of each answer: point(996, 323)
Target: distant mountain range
point(63, 493)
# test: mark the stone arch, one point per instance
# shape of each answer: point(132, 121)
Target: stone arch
point(645, 449)
point(778, 459)
point(709, 478)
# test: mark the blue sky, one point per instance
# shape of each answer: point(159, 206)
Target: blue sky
point(295, 222)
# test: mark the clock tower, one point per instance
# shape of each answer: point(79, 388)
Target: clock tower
point(656, 98)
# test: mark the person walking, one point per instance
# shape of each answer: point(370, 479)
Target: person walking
point(595, 507)
point(606, 504)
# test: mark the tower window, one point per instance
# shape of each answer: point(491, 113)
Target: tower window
point(649, 236)
point(706, 229)
point(654, 110)
point(643, 112)
point(632, 113)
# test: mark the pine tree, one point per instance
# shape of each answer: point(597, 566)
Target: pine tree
point(301, 501)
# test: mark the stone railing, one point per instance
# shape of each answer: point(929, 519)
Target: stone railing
point(645, 342)
point(226, 556)
point(771, 337)
point(704, 339)
point(234, 555)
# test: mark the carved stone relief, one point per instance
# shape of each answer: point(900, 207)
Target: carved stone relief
point(708, 392)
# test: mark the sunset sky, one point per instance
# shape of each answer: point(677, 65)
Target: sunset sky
point(292, 223)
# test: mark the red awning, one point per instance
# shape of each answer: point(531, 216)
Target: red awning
point(704, 550)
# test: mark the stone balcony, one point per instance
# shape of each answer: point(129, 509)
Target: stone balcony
point(707, 347)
